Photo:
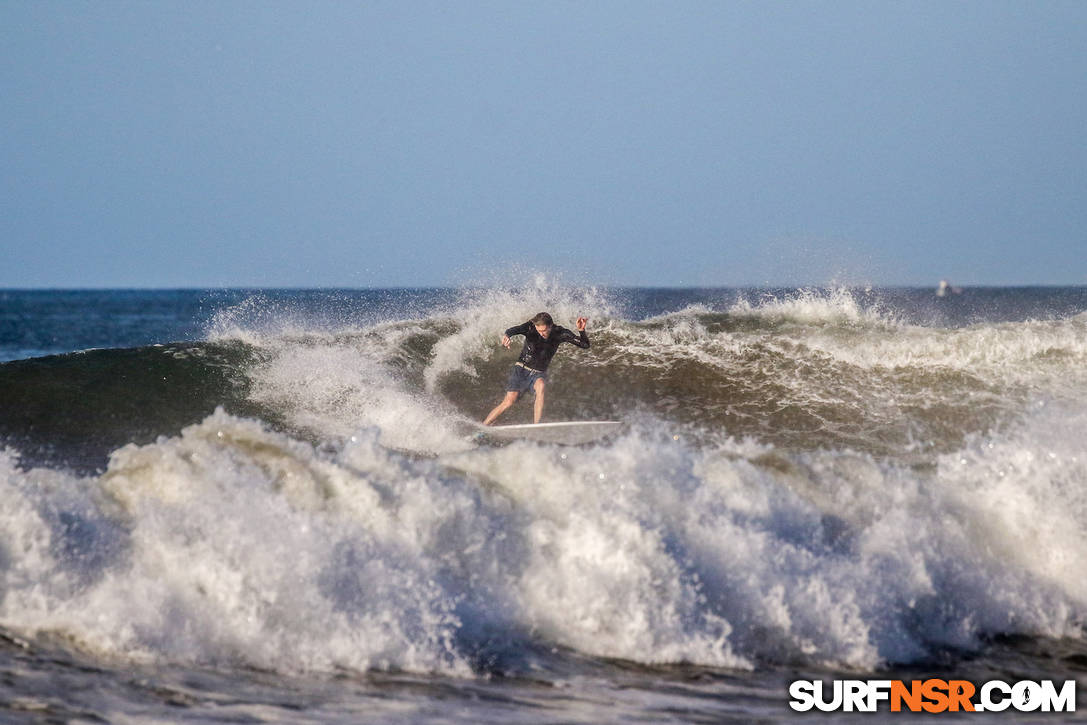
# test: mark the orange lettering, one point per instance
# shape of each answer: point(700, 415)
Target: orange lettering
point(935, 691)
point(912, 696)
point(960, 692)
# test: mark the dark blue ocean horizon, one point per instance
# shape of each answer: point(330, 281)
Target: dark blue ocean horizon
point(41, 322)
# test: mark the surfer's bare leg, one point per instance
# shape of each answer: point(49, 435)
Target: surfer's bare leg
point(510, 399)
point(537, 408)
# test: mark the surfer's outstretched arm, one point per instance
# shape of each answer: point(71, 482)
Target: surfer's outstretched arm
point(521, 329)
point(581, 339)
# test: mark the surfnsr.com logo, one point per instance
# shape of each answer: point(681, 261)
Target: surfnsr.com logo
point(932, 695)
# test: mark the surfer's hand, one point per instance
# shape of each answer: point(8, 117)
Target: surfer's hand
point(581, 323)
point(506, 341)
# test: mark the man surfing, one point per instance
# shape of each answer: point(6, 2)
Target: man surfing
point(542, 339)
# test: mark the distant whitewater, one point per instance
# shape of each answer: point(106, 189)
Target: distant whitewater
point(281, 482)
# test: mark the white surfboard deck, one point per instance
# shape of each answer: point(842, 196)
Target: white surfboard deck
point(568, 433)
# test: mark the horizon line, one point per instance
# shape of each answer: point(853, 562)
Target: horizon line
point(340, 288)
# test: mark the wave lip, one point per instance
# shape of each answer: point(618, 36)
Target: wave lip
point(804, 370)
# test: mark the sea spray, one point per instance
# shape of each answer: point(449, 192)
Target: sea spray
point(245, 546)
point(806, 479)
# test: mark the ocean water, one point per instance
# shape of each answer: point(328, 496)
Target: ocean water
point(265, 506)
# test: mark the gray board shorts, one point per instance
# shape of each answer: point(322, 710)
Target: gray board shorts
point(522, 379)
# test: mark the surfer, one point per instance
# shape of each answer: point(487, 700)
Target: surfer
point(542, 338)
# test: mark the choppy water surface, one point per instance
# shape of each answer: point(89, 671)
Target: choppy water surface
point(265, 506)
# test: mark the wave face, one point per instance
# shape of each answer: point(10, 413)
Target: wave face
point(824, 478)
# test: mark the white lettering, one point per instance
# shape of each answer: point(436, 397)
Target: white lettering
point(1026, 696)
point(802, 692)
point(854, 697)
point(878, 690)
point(834, 703)
point(1064, 701)
point(990, 705)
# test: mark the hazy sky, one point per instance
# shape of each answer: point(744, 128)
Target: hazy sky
point(360, 144)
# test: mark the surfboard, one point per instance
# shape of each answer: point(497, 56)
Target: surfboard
point(567, 433)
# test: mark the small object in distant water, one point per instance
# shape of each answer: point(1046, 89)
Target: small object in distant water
point(946, 289)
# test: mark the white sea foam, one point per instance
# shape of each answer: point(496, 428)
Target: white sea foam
point(333, 379)
point(234, 543)
point(830, 331)
point(483, 316)
point(814, 348)
point(246, 546)
point(873, 337)
point(238, 544)
point(834, 306)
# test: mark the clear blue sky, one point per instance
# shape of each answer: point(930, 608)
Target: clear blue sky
point(363, 144)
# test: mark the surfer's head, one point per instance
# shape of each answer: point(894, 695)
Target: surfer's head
point(543, 323)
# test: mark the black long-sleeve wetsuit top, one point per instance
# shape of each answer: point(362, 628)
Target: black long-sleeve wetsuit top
point(537, 352)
